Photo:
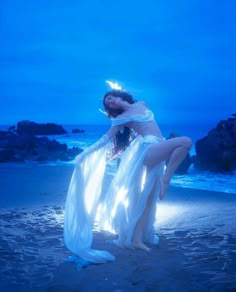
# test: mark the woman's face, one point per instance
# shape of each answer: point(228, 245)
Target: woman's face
point(113, 102)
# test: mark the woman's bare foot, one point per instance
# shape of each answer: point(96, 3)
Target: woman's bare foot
point(140, 245)
point(164, 184)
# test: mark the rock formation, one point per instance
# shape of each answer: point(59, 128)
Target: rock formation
point(217, 150)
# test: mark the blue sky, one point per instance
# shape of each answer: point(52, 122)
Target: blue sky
point(178, 56)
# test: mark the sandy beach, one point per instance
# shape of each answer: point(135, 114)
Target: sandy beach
point(197, 230)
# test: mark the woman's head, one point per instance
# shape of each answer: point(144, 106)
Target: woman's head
point(111, 108)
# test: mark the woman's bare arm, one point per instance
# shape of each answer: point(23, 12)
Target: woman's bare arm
point(113, 130)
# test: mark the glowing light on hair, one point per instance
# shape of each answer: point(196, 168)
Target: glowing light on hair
point(113, 85)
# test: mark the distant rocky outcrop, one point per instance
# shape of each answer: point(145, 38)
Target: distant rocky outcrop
point(77, 131)
point(33, 128)
point(185, 164)
point(12, 129)
point(217, 150)
point(19, 147)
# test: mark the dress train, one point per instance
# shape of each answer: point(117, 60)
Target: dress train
point(116, 208)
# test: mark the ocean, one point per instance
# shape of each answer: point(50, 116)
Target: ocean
point(195, 179)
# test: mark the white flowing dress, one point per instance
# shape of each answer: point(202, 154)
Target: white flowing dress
point(119, 207)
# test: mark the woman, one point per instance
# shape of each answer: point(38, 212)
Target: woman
point(128, 206)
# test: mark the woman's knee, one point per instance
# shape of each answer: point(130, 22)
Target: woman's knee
point(187, 142)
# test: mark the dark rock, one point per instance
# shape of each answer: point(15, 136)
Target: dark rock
point(75, 131)
point(4, 138)
point(217, 150)
point(15, 147)
point(6, 155)
point(4, 134)
point(12, 129)
point(24, 141)
point(28, 127)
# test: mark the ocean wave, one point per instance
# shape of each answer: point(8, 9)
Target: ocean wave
point(205, 180)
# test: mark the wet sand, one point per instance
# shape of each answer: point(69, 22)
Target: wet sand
point(197, 230)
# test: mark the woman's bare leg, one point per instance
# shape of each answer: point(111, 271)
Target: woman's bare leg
point(139, 228)
point(174, 150)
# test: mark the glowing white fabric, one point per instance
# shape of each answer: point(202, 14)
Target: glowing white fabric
point(120, 205)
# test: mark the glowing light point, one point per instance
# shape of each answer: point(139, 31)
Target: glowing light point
point(114, 85)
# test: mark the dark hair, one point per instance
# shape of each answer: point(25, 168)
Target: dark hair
point(112, 113)
point(124, 137)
